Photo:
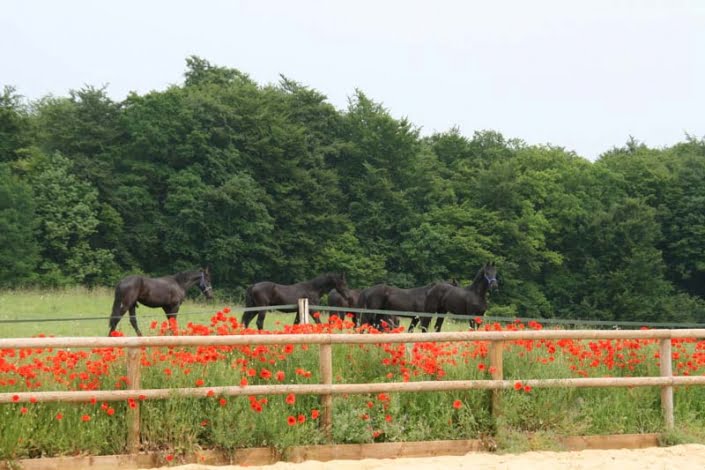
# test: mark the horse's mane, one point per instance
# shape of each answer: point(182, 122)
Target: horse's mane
point(184, 276)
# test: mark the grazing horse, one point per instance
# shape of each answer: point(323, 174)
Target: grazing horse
point(337, 300)
point(470, 300)
point(166, 292)
point(267, 293)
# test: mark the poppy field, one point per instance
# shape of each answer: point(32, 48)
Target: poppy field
point(177, 425)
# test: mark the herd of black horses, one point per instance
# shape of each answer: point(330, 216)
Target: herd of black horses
point(168, 293)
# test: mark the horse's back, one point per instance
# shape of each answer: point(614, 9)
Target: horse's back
point(437, 297)
point(260, 294)
point(409, 300)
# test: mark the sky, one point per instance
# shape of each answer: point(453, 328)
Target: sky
point(583, 75)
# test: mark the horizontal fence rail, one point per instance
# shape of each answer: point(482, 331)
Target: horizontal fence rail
point(288, 308)
point(266, 338)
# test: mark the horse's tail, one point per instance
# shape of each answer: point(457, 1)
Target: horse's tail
point(249, 298)
point(362, 317)
point(117, 303)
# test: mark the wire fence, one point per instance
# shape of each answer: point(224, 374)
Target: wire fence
point(289, 308)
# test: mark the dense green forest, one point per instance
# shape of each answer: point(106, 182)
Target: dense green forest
point(273, 182)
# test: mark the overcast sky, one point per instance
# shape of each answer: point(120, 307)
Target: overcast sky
point(582, 75)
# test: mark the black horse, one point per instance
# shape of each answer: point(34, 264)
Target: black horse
point(470, 300)
point(385, 297)
point(335, 299)
point(268, 293)
point(166, 292)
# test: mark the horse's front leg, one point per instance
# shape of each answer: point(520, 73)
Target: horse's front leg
point(439, 323)
point(412, 325)
point(133, 319)
point(171, 312)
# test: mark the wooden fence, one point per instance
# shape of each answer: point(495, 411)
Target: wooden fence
point(326, 388)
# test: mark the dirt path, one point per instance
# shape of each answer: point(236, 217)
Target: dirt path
point(682, 457)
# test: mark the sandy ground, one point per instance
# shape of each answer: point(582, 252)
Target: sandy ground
point(682, 457)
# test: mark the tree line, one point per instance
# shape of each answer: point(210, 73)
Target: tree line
point(272, 182)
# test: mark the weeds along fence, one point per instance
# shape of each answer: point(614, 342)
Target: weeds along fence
point(326, 388)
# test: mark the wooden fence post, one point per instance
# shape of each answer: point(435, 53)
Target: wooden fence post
point(666, 369)
point(133, 414)
point(326, 370)
point(497, 373)
point(303, 311)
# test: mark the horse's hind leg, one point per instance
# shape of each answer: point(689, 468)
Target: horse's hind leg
point(133, 320)
point(260, 319)
point(425, 322)
point(247, 317)
point(114, 320)
point(412, 325)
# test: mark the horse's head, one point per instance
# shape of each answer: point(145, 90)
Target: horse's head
point(489, 273)
point(204, 283)
point(341, 285)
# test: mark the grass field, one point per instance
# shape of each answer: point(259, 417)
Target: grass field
point(176, 426)
point(84, 312)
point(42, 311)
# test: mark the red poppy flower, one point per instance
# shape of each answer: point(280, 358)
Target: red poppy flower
point(15, 398)
point(23, 410)
point(527, 388)
point(280, 376)
point(291, 421)
point(388, 418)
point(85, 418)
point(302, 419)
point(223, 402)
point(291, 399)
point(210, 393)
point(110, 411)
point(457, 404)
point(199, 382)
point(243, 381)
point(169, 458)
point(517, 385)
point(59, 416)
point(315, 414)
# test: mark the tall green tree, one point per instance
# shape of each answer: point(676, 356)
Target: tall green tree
point(14, 124)
point(67, 210)
point(19, 250)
